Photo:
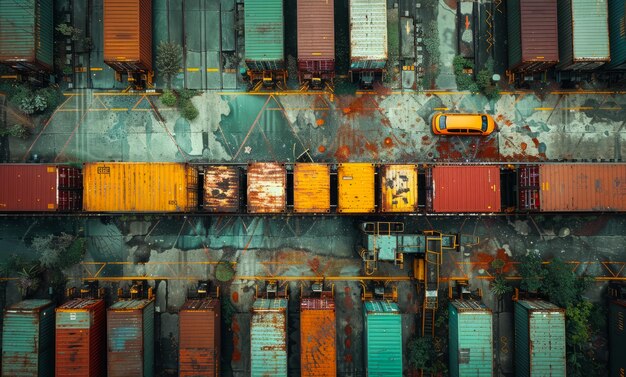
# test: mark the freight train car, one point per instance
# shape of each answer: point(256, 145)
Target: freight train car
point(368, 41)
point(316, 42)
point(128, 39)
point(471, 339)
point(268, 338)
point(199, 338)
point(26, 35)
point(383, 339)
point(264, 42)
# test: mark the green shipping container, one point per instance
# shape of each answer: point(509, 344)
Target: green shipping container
point(26, 34)
point(268, 338)
point(383, 339)
point(617, 33)
point(471, 339)
point(583, 34)
point(264, 34)
point(539, 339)
point(28, 339)
point(617, 338)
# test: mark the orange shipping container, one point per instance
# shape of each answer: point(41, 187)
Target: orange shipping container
point(311, 188)
point(199, 347)
point(583, 187)
point(356, 188)
point(266, 187)
point(318, 354)
point(398, 188)
point(128, 35)
point(221, 189)
point(140, 187)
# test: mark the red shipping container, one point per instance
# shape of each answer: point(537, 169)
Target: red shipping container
point(40, 187)
point(199, 344)
point(81, 339)
point(316, 36)
point(465, 189)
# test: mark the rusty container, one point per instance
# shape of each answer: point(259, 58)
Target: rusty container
point(316, 38)
point(40, 187)
point(582, 187)
point(318, 351)
point(128, 35)
point(268, 338)
point(267, 183)
point(199, 338)
point(356, 188)
point(130, 340)
point(81, 339)
point(222, 185)
point(28, 339)
point(140, 187)
point(311, 188)
point(464, 189)
point(398, 188)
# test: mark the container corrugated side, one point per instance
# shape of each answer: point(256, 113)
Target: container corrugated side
point(267, 183)
point(462, 189)
point(128, 34)
point(264, 34)
point(28, 339)
point(617, 338)
point(199, 338)
point(368, 34)
point(130, 340)
point(268, 338)
point(316, 35)
point(311, 188)
point(318, 351)
point(582, 187)
point(81, 339)
point(398, 188)
point(471, 339)
point(221, 189)
point(140, 187)
point(383, 339)
point(617, 34)
point(356, 188)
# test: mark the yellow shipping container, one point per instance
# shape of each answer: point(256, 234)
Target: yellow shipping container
point(356, 188)
point(398, 188)
point(311, 188)
point(140, 187)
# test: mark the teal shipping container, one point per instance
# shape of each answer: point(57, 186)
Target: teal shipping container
point(583, 34)
point(26, 34)
point(264, 34)
point(130, 340)
point(268, 338)
point(539, 339)
point(383, 339)
point(617, 34)
point(28, 339)
point(471, 339)
point(617, 338)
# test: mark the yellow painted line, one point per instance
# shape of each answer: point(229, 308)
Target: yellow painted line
point(118, 109)
point(440, 108)
point(212, 69)
point(611, 108)
point(543, 108)
point(96, 68)
point(9, 77)
point(193, 69)
point(576, 108)
point(113, 94)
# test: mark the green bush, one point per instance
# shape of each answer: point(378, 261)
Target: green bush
point(74, 253)
point(224, 271)
point(187, 94)
point(464, 81)
point(168, 98)
point(188, 110)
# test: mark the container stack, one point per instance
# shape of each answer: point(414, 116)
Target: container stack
point(316, 40)
point(470, 339)
point(199, 338)
point(318, 352)
point(128, 35)
point(383, 339)
point(268, 338)
point(617, 337)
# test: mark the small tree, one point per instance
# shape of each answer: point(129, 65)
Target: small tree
point(499, 286)
point(561, 284)
point(531, 271)
point(168, 60)
point(420, 353)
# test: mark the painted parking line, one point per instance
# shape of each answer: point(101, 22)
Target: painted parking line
point(579, 108)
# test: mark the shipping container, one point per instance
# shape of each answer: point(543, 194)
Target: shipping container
point(539, 339)
point(28, 339)
point(459, 189)
point(267, 183)
point(368, 34)
point(81, 339)
point(26, 34)
point(35, 187)
point(264, 35)
point(316, 39)
point(617, 338)
point(533, 35)
point(268, 338)
point(617, 34)
point(470, 339)
point(311, 188)
point(199, 338)
point(130, 340)
point(356, 188)
point(318, 351)
point(222, 188)
point(383, 339)
point(128, 35)
point(398, 188)
point(140, 187)
point(583, 34)
point(528, 188)
point(583, 187)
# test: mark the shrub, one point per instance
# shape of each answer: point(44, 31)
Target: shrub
point(224, 271)
point(168, 98)
point(188, 110)
point(168, 60)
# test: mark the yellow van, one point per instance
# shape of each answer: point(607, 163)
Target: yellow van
point(463, 124)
